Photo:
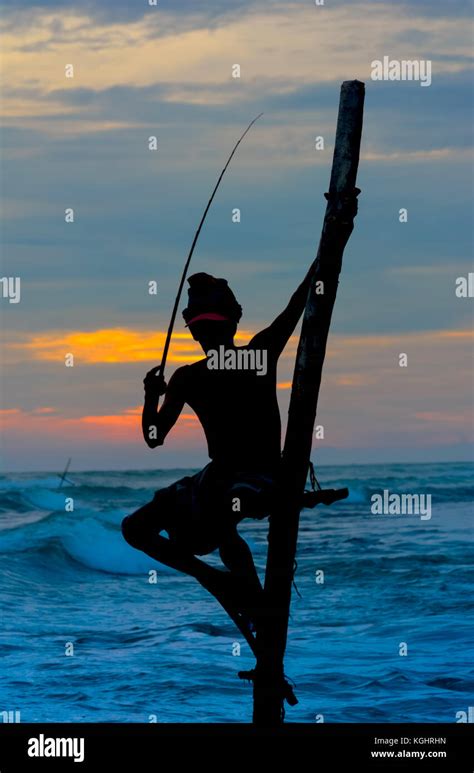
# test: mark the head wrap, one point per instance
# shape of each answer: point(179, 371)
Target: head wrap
point(210, 298)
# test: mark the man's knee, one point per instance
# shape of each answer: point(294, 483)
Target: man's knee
point(132, 531)
point(139, 527)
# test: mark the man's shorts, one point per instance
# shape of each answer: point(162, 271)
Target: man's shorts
point(202, 509)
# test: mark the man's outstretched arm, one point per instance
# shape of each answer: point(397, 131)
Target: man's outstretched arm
point(334, 239)
point(276, 335)
point(157, 423)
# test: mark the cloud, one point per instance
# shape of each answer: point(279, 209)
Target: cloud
point(168, 12)
point(447, 417)
point(367, 400)
point(211, 12)
point(108, 346)
point(53, 426)
point(107, 54)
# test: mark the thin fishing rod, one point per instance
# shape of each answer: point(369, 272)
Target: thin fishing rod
point(196, 237)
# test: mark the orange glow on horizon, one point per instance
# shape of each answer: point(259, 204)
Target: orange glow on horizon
point(122, 345)
point(361, 370)
point(125, 425)
point(114, 345)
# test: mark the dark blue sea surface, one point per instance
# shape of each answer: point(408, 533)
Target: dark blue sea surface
point(165, 651)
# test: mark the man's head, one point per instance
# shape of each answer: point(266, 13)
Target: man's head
point(212, 312)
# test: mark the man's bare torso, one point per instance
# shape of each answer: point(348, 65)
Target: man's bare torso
point(238, 410)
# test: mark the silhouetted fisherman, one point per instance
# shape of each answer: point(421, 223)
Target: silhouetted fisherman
point(239, 412)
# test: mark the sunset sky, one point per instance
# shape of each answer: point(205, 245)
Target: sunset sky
point(166, 71)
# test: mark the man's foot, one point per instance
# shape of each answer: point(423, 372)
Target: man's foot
point(323, 496)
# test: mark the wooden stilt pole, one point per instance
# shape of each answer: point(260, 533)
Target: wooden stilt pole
point(272, 633)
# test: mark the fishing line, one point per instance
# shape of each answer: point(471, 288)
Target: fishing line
point(188, 261)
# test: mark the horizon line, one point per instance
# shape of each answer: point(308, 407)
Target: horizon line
point(169, 469)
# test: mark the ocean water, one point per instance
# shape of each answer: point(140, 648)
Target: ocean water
point(166, 652)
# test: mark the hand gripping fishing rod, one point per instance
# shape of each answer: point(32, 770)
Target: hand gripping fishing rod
point(188, 261)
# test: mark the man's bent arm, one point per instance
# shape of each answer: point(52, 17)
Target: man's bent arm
point(334, 239)
point(276, 335)
point(157, 423)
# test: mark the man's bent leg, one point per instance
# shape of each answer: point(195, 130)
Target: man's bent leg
point(141, 531)
point(237, 556)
